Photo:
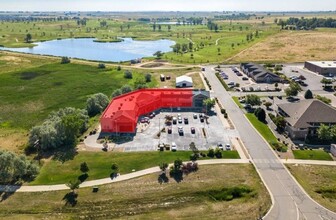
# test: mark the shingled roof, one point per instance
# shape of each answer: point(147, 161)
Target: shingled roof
point(308, 111)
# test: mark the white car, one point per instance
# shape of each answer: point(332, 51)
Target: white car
point(227, 147)
point(173, 146)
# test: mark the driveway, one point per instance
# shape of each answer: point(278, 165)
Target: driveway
point(290, 202)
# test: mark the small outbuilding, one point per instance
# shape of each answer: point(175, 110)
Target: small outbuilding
point(184, 81)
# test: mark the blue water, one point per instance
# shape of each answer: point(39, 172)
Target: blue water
point(86, 48)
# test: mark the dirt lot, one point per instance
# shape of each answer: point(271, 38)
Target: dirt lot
point(294, 46)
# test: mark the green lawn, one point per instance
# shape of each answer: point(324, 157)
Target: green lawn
point(262, 128)
point(236, 100)
point(54, 172)
point(311, 155)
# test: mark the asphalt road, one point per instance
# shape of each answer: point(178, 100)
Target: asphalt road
point(290, 202)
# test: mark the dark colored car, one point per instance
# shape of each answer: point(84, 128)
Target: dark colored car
point(186, 121)
point(192, 130)
point(169, 130)
point(244, 78)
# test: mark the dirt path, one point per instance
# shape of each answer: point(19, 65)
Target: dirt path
point(218, 40)
point(17, 41)
point(190, 41)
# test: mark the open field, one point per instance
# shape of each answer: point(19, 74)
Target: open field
point(39, 85)
point(145, 198)
point(13, 35)
point(318, 181)
point(262, 128)
point(55, 172)
point(311, 155)
point(292, 46)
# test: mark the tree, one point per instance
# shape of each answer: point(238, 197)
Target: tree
point(65, 60)
point(177, 48)
point(253, 100)
point(28, 38)
point(60, 129)
point(116, 93)
point(293, 89)
point(96, 103)
point(163, 166)
point(84, 167)
point(260, 114)
point(15, 167)
point(169, 27)
point(327, 83)
point(308, 94)
point(211, 153)
point(114, 168)
point(126, 89)
point(280, 122)
point(148, 77)
point(323, 133)
point(268, 104)
point(209, 104)
point(128, 74)
point(158, 54)
point(73, 185)
point(140, 83)
point(101, 66)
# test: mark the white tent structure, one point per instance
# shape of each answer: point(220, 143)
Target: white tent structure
point(184, 81)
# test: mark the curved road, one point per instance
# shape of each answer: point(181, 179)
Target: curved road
point(290, 201)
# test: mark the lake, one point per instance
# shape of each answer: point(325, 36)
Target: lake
point(86, 48)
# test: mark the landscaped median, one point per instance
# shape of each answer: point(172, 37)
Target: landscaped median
point(99, 163)
point(266, 132)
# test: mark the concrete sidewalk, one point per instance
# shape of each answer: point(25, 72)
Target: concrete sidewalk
point(44, 188)
point(311, 162)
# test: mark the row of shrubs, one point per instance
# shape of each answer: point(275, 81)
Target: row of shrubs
point(207, 82)
point(223, 82)
point(212, 153)
point(223, 110)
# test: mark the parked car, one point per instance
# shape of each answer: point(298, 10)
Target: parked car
point(227, 147)
point(186, 121)
point(180, 130)
point(179, 119)
point(244, 78)
point(231, 83)
point(152, 115)
point(142, 120)
point(220, 146)
point(242, 101)
point(203, 69)
point(174, 120)
point(192, 130)
point(195, 116)
point(169, 130)
point(279, 97)
point(173, 146)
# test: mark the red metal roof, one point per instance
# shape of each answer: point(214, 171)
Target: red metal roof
point(127, 108)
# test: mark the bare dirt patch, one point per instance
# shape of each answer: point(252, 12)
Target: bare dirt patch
point(292, 47)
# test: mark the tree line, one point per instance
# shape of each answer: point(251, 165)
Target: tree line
point(308, 23)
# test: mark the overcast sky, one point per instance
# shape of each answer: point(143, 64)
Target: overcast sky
point(167, 5)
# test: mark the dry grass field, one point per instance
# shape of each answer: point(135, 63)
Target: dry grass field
point(318, 181)
point(145, 198)
point(292, 46)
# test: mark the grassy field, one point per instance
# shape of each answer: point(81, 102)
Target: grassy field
point(54, 172)
point(318, 181)
point(33, 86)
point(145, 198)
point(262, 128)
point(311, 155)
point(292, 46)
point(13, 35)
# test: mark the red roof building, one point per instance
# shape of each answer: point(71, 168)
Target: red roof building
point(122, 114)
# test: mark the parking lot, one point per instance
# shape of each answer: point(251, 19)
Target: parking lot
point(147, 138)
point(312, 80)
point(233, 77)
